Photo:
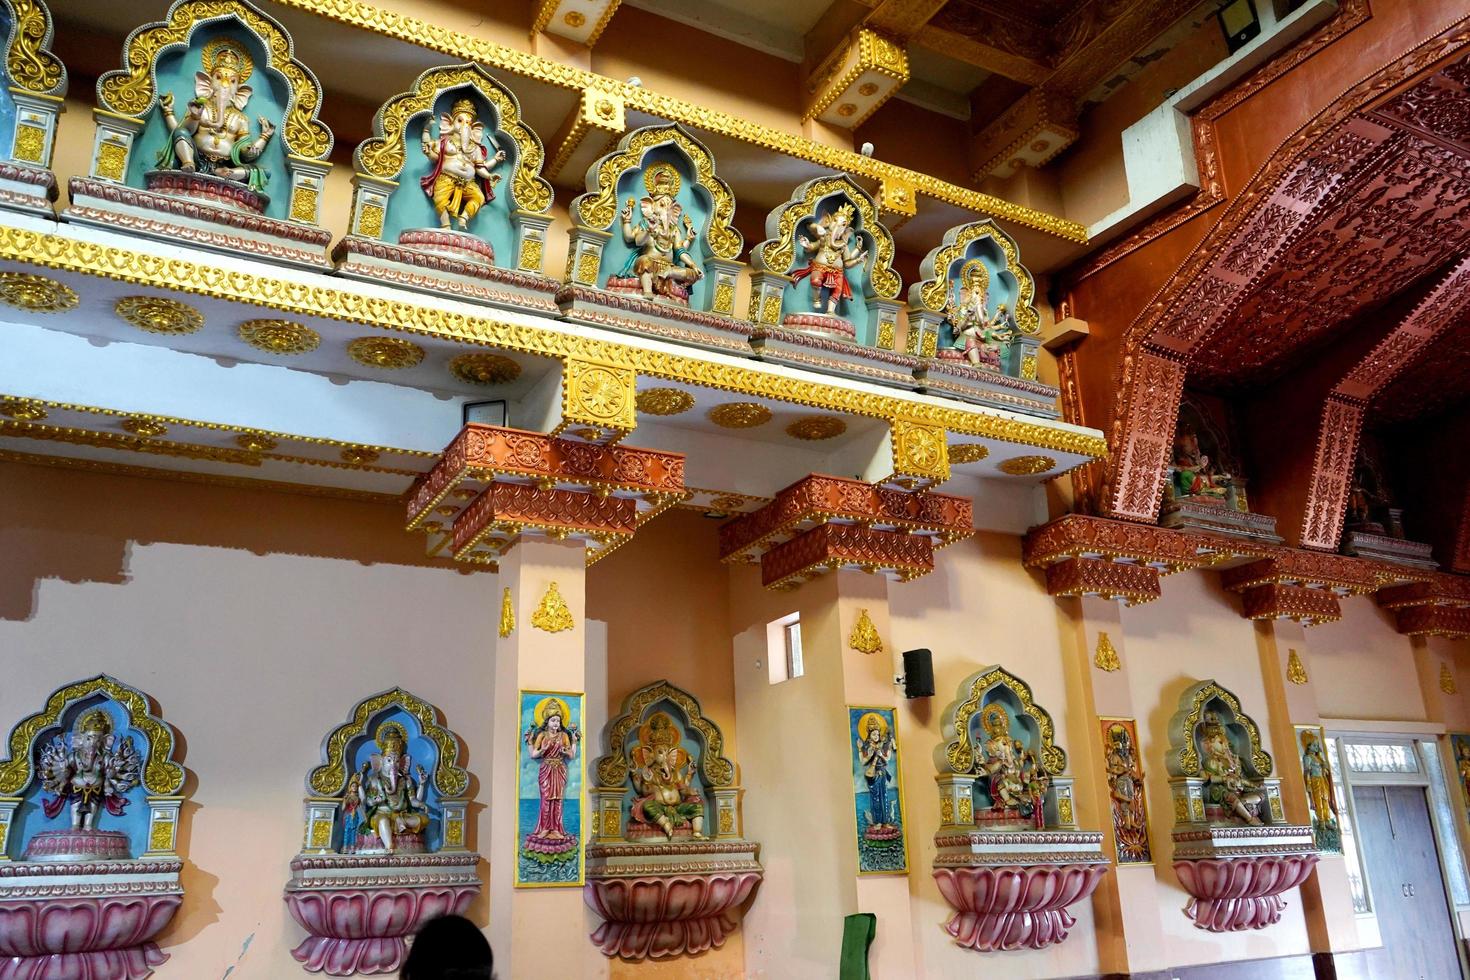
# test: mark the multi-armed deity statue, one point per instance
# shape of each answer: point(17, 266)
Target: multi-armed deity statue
point(385, 826)
point(1126, 791)
point(89, 817)
point(833, 249)
point(1374, 525)
point(462, 177)
point(661, 263)
point(667, 867)
point(1006, 809)
point(1205, 490)
point(1234, 851)
point(213, 136)
point(882, 845)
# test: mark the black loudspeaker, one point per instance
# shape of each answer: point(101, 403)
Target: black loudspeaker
point(918, 674)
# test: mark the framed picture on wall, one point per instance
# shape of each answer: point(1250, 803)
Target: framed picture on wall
point(1322, 799)
point(1460, 748)
point(877, 783)
point(1125, 790)
point(549, 790)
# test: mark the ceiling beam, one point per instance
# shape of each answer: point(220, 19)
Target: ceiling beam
point(581, 22)
point(850, 75)
point(982, 54)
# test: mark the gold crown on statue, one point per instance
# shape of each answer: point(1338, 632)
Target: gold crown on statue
point(95, 723)
point(844, 212)
point(659, 732)
point(661, 179)
point(464, 107)
point(225, 55)
point(392, 738)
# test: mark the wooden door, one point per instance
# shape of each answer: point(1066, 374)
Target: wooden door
point(1398, 845)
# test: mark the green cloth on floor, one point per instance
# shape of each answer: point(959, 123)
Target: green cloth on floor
point(857, 935)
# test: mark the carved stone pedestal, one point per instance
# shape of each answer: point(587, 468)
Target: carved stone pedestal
point(830, 352)
point(1386, 548)
point(440, 262)
point(1219, 518)
point(85, 921)
point(664, 899)
point(360, 909)
point(632, 312)
point(1011, 890)
point(1236, 875)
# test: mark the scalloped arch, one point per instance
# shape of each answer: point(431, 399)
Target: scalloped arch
point(383, 154)
point(778, 252)
point(599, 206)
point(931, 291)
point(133, 90)
point(1183, 759)
point(330, 778)
point(29, 63)
point(612, 768)
point(162, 775)
point(958, 754)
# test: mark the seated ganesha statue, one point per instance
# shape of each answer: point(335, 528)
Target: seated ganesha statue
point(384, 804)
point(213, 137)
point(1227, 791)
point(663, 783)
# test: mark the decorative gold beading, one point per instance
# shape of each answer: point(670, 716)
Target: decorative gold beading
point(598, 209)
point(507, 614)
point(383, 155)
point(664, 401)
point(29, 64)
point(740, 415)
point(158, 314)
point(255, 443)
point(552, 614)
point(779, 253)
point(132, 91)
point(1295, 672)
point(22, 409)
point(330, 778)
point(484, 369)
point(145, 428)
point(161, 775)
point(967, 452)
point(1106, 659)
point(26, 291)
point(389, 353)
point(961, 750)
point(359, 455)
point(1027, 465)
point(864, 638)
point(813, 428)
point(279, 336)
point(934, 293)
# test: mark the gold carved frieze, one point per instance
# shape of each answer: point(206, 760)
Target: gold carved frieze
point(778, 254)
point(612, 768)
point(330, 778)
point(933, 291)
point(29, 63)
point(162, 776)
point(133, 90)
point(383, 154)
point(959, 752)
point(36, 294)
point(599, 206)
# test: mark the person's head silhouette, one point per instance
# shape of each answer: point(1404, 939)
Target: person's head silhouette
point(450, 947)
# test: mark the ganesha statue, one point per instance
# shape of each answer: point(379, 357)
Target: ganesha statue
point(1234, 850)
point(1205, 490)
point(660, 262)
point(461, 180)
point(1007, 811)
point(833, 249)
point(89, 818)
point(668, 867)
point(385, 827)
point(213, 137)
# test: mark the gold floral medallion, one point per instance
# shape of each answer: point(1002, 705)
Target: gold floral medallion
point(145, 428)
point(359, 455)
point(664, 401)
point(484, 369)
point(816, 427)
point(158, 314)
point(389, 353)
point(967, 452)
point(279, 336)
point(26, 291)
point(255, 442)
point(740, 415)
point(22, 409)
point(1027, 465)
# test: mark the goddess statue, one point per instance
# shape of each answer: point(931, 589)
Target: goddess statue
point(835, 250)
point(552, 743)
point(663, 780)
point(661, 261)
point(92, 770)
point(214, 135)
point(1318, 778)
point(1193, 475)
point(875, 748)
point(461, 181)
point(391, 800)
point(1225, 782)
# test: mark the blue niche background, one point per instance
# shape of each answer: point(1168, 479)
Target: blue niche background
point(7, 104)
point(876, 855)
point(31, 819)
point(1235, 732)
point(1022, 728)
point(175, 73)
point(410, 207)
point(691, 741)
point(797, 298)
point(694, 198)
point(1003, 288)
point(422, 751)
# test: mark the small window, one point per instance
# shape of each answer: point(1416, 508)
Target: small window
point(783, 648)
point(792, 632)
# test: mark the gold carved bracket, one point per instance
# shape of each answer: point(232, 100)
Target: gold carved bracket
point(133, 90)
point(162, 775)
point(1183, 758)
point(599, 395)
point(958, 755)
point(383, 154)
point(612, 768)
point(29, 63)
point(778, 252)
point(920, 451)
point(932, 292)
point(330, 778)
point(598, 208)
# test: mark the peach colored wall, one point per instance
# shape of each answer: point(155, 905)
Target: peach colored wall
point(1362, 669)
point(257, 620)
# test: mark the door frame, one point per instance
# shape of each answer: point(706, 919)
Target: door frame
point(1427, 745)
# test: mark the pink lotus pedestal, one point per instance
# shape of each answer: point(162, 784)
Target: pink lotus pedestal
point(647, 915)
point(92, 921)
point(1011, 890)
point(360, 910)
point(1236, 874)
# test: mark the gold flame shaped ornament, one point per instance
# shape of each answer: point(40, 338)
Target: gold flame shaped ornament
point(1106, 657)
point(864, 638)
point(1295, 672)
point(507, 615)
point(552, 615)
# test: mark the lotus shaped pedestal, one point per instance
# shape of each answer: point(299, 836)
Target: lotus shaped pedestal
point(1235, 893)
point(651, 915)
point(359, 911)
